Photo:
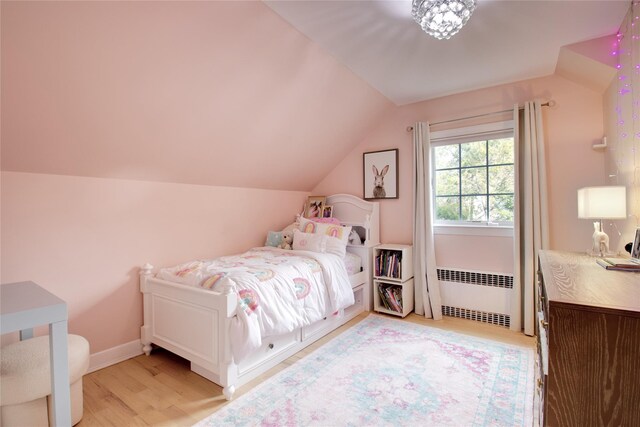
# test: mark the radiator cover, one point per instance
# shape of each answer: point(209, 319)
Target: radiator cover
point(478, 316)
point(476, 278)
point(476, 295)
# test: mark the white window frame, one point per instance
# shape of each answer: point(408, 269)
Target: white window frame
point(495, 130)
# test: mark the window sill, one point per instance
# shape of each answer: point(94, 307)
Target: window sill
point(474, 230)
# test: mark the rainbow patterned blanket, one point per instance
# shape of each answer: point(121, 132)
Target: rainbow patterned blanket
point(278, 290)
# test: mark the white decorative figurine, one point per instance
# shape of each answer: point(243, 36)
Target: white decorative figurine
point(600, 241)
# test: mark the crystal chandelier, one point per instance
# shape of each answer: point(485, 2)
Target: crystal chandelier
point(442, 18)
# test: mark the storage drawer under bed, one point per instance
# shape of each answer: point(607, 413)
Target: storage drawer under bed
point(271, 347)
point(358, 305)
point(358, 278)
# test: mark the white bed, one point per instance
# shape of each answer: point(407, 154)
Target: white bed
point(196, 323)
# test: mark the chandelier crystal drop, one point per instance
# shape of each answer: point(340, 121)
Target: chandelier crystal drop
point(442, 18)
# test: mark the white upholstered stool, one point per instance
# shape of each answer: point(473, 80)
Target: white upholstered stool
point(25, 381)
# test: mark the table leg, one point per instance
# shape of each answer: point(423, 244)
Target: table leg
point(60, 391)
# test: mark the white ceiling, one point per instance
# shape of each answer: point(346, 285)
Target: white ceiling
point(504, 41)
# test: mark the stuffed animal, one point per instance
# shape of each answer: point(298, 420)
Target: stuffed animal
point(354, 238)
point(287, 240)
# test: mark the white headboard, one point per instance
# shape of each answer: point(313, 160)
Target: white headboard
point(362, 215)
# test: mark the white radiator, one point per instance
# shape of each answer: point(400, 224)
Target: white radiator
point(476, 295)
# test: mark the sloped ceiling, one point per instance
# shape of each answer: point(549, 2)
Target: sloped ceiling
point(212, 93)
point(228, 93)
point(503, 42)
point(589, 63)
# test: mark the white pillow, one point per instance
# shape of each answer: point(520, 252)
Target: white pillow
point(332, 230)
point(320, 243)
point(309, 241)
point(335, 246)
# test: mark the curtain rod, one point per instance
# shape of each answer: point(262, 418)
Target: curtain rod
point(550, 103)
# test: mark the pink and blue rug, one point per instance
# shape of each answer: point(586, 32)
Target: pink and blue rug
point(388, 372)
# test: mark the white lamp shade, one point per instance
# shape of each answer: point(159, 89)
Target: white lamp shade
point(602, 202)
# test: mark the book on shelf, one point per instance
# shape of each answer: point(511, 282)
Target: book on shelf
point(619, 264)
point(391, 297)
point(388, 263)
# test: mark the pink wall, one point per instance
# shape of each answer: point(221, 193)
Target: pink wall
point(622, 156)
point(99, 95)
point(84, 238)
point(174, 92)
point(214, 92)
point(571, 126)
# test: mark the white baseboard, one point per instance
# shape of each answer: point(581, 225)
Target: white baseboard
point(114, 355)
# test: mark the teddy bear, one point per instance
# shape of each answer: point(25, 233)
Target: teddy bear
point(287, 240)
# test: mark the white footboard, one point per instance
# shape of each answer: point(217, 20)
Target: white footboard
point(192, 323)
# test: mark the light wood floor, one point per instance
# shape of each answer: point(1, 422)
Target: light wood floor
point(160, 390)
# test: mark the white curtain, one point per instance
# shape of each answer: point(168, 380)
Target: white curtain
point(427, 290)
point(531, 219)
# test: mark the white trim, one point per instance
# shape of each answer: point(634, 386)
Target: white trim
point(469, 133)
point(473, 230)
point(114, 355)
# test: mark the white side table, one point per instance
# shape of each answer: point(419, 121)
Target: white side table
point(25, 305)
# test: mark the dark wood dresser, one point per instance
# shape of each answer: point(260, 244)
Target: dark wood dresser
point(588, 343)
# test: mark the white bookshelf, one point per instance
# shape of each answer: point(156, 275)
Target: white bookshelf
point(393, 279)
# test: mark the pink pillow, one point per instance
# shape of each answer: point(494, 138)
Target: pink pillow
point(335, 221)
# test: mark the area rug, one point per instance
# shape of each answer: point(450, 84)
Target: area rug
point(388, 372)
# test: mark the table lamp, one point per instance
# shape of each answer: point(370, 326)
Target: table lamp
point(600, 203)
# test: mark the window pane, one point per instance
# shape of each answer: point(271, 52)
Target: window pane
point(447, 208)
point(474, 208)
point(474, 181)
point(467, 188)
point(500, 151)
point(447, 182)
point(474, 153)
point(501, 179)
point(446, 156)
point(501, 208)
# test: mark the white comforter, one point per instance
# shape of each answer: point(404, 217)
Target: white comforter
point(278, 290)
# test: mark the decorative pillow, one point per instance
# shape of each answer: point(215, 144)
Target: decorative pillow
point(274, 238)
point(308, 241)
point(291, 227)
point(335, 246)
point(332, 220)
point(332, 230)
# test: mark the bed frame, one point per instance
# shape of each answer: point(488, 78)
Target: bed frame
point(194, 323)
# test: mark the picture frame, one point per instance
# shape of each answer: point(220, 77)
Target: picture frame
point(635, 248)
point(314, 208)
point(380, 174)
point(327, 212)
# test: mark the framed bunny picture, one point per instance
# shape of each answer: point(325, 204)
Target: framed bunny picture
point(380, 174)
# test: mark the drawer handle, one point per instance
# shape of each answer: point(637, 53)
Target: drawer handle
point(544, 323)
point(270, 346)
